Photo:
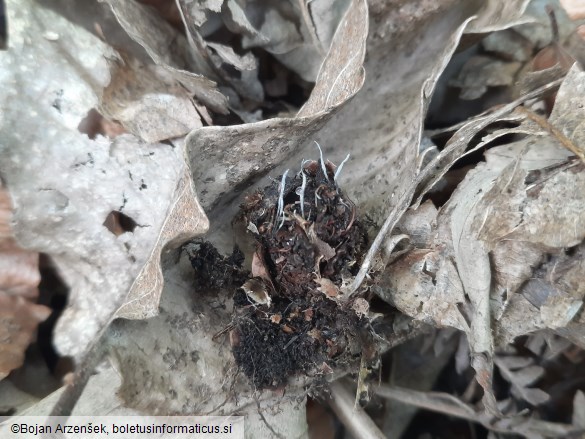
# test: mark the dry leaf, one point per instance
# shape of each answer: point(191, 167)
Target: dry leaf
point(481, 72)
point(79, 182)
point(521, 373)
point(148, 102)
point(259, 268)
point(476, 231)
point(249, 151)
point(18, 325)
point(327, 287)
point(168, 49)
point(461, 267)
point(19, 280)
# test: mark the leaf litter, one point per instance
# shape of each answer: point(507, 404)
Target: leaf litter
point(311, 293)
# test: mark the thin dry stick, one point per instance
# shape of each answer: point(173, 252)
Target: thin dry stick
point(545, 124)
point(449, 405)
point(434, 401)
point(355, 419)
point(428, 171)
point(261, 414)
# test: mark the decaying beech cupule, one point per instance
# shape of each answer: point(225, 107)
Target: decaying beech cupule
point(292, 316)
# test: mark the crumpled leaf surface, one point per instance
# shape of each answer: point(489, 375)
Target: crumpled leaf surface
point(508, 208)
point(380, 125)
point(79, 182)
point(386, 96)
point(148, 102)
point(168, 49)
point(522, 373)
point(249, 151)
point(481, 72)
point(300, 44)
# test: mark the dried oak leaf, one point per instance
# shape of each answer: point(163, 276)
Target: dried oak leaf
point(169, 50)
point(18, 325)
point(148, 102)
point(19, 279)
point(249, 151)
point(505, 211)
point(79, 182)
point(19, 268)
point(521, 372)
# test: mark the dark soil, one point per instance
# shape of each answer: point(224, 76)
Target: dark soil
point(308, 244)
point(214, 271)
point(292, 338)
point(291, 316)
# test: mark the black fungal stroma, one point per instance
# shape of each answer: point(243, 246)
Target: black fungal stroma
point(291, 315)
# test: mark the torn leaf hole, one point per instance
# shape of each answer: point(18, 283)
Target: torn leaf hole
point(95, 124)
point(118, 223)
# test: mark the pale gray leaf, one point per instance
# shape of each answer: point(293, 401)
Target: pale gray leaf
point(250, 151)
point(236, 20)
point(326, 15)
point(148, 102)
point(198, 9)
point(167, 48)
point(79, 182)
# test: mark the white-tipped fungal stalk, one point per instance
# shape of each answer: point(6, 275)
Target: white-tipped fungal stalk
point(338, 171)
point(280, 209)
point(302, 194)
point(322, 161)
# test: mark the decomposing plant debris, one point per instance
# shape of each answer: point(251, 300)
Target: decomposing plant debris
point(215, 271)
point(309, 243)
point(292, 314)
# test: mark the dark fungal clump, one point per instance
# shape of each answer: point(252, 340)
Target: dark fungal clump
point(293, 316)
point(214, 271)
point(288, 340)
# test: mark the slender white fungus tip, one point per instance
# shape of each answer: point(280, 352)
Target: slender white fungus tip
point(302, 195)
point(280, 210)
point(322, 161)
point(338, 171)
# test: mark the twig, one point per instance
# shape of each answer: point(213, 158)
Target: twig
point(272, 430)
point(554, 25)
point(449, 405)
point(434, 401)
point(355, 419)
point(545, 124)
